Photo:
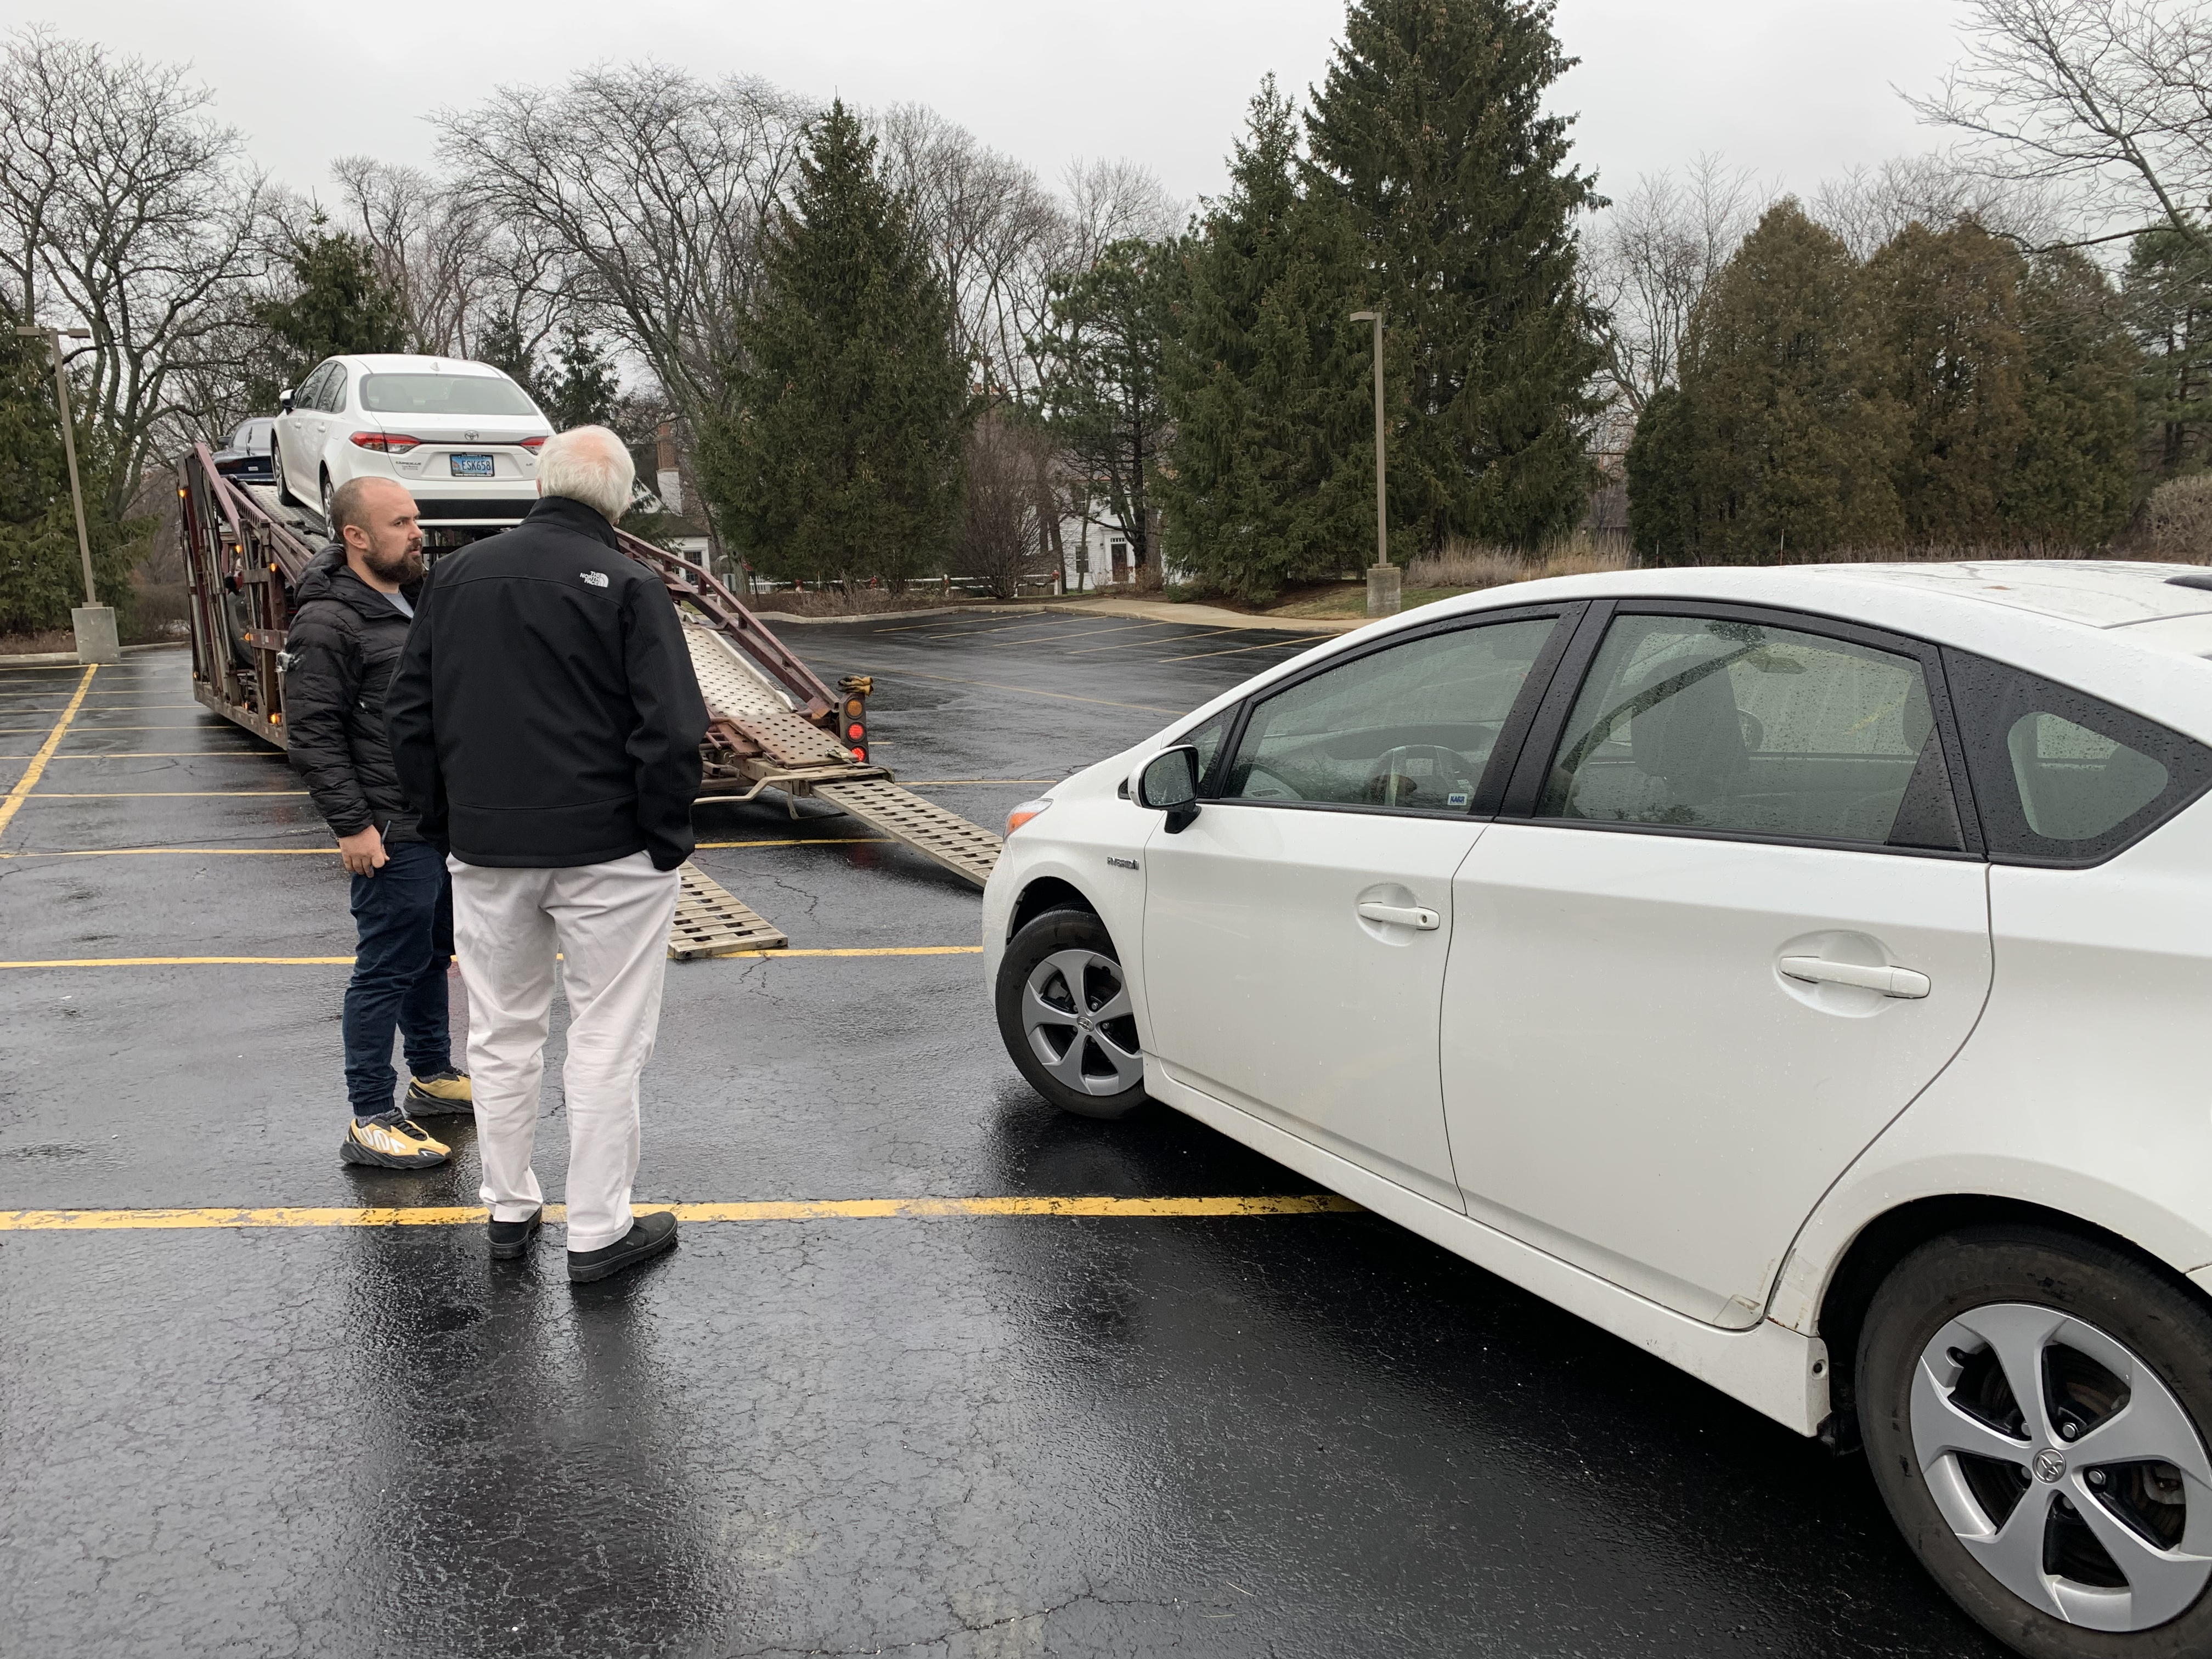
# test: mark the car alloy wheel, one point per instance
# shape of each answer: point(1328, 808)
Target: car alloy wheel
point(1066, 1016)
point(1076, 1014)
point(2064, 1466)
point(2033, 1403)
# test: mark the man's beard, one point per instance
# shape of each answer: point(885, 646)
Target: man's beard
point(407, 567)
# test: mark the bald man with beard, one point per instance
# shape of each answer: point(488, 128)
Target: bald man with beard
point(351, 614)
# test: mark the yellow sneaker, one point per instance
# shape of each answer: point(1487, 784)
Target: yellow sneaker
point(391, 1142)
point(441, 1094)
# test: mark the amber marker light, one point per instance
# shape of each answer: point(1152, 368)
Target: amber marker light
point(1022, 814)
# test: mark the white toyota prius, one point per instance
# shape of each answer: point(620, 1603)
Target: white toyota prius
point(1803, 973)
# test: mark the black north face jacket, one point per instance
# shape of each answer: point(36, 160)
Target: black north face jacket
point(339, 652)
point(545, 713)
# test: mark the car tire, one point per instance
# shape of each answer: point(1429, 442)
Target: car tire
point(277, 471)
point(1066, 1017)
point(2076, 1524)
point(327, 492)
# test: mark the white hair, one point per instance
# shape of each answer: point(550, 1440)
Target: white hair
point(591, 465)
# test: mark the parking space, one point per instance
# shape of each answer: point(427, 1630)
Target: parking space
point(845, 1416)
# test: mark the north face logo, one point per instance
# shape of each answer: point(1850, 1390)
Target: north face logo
point(597, 578)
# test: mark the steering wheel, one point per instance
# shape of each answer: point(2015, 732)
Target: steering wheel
point(1419, 775)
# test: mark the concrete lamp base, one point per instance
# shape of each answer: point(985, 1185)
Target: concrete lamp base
point(1383, 589)
point(95, 633)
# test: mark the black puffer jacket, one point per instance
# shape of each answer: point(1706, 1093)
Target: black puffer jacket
point(339, 652)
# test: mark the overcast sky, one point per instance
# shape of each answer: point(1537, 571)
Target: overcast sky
point(1798, 89)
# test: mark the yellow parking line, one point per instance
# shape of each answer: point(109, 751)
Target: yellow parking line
point(24, 784)
point(1136, 645)
point(162, 795)
point(346, 962)
point(127, 709)
point(1026, 691)
point(168, 754)
point(298, 852)
point(1269, 644)
point(835, 1209)
point(946, 783)
point(98, 730)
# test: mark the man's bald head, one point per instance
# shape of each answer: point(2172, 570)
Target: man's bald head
point(375, 518)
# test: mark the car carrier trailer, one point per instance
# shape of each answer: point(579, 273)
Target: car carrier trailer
point(773, 726)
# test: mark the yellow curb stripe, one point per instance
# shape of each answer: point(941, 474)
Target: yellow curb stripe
point(344, 962)
point(296, 852)
point(847, 1209)
point(24, 784)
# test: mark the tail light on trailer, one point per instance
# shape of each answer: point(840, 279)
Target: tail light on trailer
point(853, 714)
point(385, 443)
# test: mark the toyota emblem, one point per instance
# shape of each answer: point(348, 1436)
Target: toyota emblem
point(2049, 1464)
point(471, 436)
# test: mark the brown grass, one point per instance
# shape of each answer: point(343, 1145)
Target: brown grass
point(1467, 565)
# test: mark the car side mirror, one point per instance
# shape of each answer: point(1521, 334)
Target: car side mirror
point(284, 400)
point(1168, 783)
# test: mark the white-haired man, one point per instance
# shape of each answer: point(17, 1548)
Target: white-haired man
point(545, 723)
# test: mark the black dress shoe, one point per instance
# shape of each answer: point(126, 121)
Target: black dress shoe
point(648, 1236)
point(511, 1239)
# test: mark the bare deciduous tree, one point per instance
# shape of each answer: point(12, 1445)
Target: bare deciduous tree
point(1868, 206)
point(1649, 258)
point(123, 206)
point(658, 186)
point(1007, 510)
point(2112, 98)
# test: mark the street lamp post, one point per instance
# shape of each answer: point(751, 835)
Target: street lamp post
point(92, 621)
point(1383, 577)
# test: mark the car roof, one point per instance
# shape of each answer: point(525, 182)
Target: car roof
point(392, 362)
point(2119, 629)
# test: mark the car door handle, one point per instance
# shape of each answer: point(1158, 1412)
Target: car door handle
point(1406, 915)
point(1890, 982)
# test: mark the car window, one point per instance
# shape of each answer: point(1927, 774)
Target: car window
point(444, 394)
point(1206, 739)
point(1705, 724)
point(310, 389)
point(1409, 728)
point(332, 400)
point(2062, 777)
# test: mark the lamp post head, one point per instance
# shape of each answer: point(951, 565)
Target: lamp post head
point(1366, 316)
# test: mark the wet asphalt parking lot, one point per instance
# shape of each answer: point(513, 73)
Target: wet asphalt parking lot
point(966, 1436)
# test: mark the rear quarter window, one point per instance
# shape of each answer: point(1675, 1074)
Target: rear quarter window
point(2060, 777)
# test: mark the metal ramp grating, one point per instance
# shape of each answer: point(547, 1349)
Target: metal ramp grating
point(966, 850)
point(734, 694)
point(712, 921)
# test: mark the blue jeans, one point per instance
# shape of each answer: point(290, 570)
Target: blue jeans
point(404, 916)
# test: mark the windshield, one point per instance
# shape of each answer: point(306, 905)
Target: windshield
point(444, 394)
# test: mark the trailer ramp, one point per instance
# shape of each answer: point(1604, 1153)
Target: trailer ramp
point(712, 921)
point(801, 759)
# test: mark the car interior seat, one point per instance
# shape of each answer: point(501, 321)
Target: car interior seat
point(1689, 739)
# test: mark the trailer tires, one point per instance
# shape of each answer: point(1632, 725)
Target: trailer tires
point(1066, 1016)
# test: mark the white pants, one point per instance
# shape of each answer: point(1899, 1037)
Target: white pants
point(609, 923)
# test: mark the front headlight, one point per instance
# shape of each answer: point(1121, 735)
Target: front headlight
point(1022, 814)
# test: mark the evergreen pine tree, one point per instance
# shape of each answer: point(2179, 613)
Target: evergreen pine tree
point(1952, 360)
point(1663, 513)
point(340, 303)
point(1102, 393)
point(2167, 294)
point(2073, 485)
point(1269, 477)
point(843, 458)
point(41, 574)
point(1788, 446)
point(1430, 130)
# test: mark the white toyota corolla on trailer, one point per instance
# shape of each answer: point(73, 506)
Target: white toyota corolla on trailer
point(461, 435)
point(1804, 973)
